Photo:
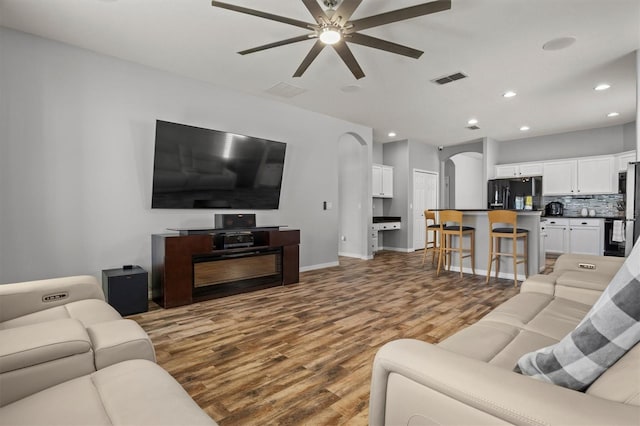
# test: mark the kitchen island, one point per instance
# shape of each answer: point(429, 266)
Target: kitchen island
point(478, 218)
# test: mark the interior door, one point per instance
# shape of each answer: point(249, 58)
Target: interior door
point(425, 196)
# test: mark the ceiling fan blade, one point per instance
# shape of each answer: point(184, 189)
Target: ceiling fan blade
point(276, 44)
point(377, 43)
point(400, 15)
point(313, 53)
point(264, 15)
point(348, 58)
point(345, 10)
point(316, 11)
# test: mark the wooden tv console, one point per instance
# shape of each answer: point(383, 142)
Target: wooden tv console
point(187, 267)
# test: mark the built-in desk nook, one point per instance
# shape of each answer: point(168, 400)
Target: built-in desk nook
point(189, 265)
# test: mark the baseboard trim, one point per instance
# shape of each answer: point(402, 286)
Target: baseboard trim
point(319, 266)
point(354, 255)
point(505, 275)
point(400, 250)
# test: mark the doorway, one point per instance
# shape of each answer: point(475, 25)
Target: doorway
point(425, 196)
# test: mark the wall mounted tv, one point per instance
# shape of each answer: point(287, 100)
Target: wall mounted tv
point(201, 168)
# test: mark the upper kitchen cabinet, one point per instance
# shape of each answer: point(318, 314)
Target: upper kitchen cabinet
point(583, 176)
point(596, 175)
point(382, 181)
point(519, 170)
point(624, 159)
point(559, 177)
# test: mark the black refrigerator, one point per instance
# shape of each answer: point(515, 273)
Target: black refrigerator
point(513, 193)
point(632, 206)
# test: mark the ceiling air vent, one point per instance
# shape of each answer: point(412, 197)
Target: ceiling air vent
point(474, 127)
point(285, 90)
point(449, 78)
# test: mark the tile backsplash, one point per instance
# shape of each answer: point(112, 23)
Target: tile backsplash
point(604, 205)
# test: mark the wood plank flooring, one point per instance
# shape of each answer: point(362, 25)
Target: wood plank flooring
point(302, 354)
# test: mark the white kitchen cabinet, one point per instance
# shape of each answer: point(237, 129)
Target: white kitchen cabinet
point(559, 177)
point(582, 176)
point(585, 236)
point(382, 181)
point(623, 160)
point(596, 175)
point(506, 170)
point(519, 170)
point(578, 236)
point(557, 240)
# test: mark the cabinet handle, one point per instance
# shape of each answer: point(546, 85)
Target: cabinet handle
point(584, 223)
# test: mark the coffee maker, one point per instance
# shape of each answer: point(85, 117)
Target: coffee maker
point(554, 208)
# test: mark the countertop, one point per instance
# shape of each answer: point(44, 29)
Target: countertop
point(584, 217)
point(541, 212)
point(537, 212)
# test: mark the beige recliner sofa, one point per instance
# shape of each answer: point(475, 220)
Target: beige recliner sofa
point(67, 357)
point(468, 378)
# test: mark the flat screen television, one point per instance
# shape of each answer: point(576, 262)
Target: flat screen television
point(196, 168)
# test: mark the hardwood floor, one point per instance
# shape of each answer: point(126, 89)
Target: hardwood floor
point(302, 354)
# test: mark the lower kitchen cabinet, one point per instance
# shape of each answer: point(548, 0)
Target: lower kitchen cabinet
point(578, 236)
point(557, 235)
point(586, 236)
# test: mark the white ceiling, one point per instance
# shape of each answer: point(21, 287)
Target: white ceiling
point(497, 43)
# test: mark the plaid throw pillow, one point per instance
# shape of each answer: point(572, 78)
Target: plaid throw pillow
point(606, 333)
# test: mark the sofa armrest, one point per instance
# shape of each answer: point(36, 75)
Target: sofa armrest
point(18, 299)
point(416, 382)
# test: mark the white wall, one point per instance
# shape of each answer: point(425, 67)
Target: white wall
point(470, 183)
point(582, 143)
point(76, 159)
point(353, 170)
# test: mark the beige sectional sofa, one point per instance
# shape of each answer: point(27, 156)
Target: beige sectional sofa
point(67, 357)
point(468, 378)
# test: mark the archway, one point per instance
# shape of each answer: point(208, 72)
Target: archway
point(466, 190)
point(463, 176)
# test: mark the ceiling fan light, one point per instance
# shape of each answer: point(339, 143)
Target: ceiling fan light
point(330, 35)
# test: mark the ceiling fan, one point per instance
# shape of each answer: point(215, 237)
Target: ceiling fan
point(334, 28)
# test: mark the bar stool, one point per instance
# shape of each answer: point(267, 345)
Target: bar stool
point(509, 218)
point(447, 231)
point(433, 228)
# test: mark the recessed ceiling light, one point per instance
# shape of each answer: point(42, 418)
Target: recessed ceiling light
point(392, 134)
point(613, 114)
point(559, 43)
point(525, 128)
point(509, 94)
point(602, 86)
point(472, 121)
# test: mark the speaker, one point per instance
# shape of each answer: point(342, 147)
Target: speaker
point(126, 289)
point(235, 221)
